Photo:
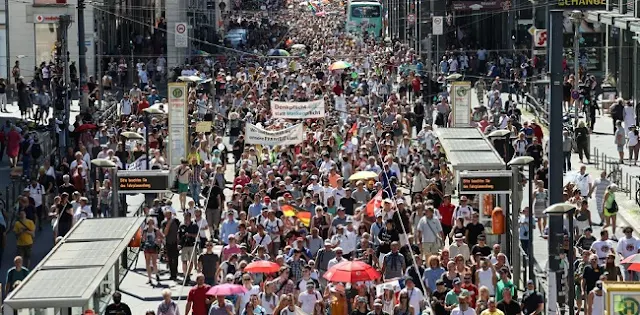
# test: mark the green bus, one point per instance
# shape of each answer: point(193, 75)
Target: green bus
point(364, 16)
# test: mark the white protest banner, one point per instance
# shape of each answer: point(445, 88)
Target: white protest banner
point(287, 136)
point(298, 110)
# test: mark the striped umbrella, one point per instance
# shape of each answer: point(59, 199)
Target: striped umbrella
point(338, 65)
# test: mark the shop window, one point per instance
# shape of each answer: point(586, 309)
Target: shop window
point(45, 36)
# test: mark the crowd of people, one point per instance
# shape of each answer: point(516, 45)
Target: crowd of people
point(314, 207)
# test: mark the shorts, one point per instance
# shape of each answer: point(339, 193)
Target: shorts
point(183, 188)
point(188, 253)
point(430, 247)
point(25, 252)
point(213, 217)
point(581, 225)
point(621, 148)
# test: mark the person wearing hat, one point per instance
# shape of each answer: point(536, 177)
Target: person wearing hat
point(322, 259)
point(627, 246)
point(532, 301)
point(459, 247)
point(463, 211)
point(455, 296)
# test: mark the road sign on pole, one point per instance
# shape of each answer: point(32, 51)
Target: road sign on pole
point(438, 25)
point(540, 38)
point(181, 37)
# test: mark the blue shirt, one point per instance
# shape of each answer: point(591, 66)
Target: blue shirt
point(255, 209)
point(228, 228)
point(304, 249)
point(430, 277)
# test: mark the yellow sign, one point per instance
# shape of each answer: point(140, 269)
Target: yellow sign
point(622, 298)
point(203, 126)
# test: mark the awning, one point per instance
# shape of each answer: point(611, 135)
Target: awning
point(467, 149)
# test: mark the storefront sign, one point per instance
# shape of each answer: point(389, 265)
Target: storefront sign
point(177, 103)
point(137, 182)
point(478, 5)
point(46, 18)
point(287, 136)
point(582, 4)
point(298, 110)
point(461, 103)
point(485, 182)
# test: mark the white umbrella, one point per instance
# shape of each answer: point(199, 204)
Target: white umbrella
point(132, 135)
point(454, 76)
point(190, 78)
point(298, 46)
point(159, 106)
point(103, 163)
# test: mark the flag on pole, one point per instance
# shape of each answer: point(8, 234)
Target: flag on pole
point(354, 129)
point(374, 204)
point(293, 211)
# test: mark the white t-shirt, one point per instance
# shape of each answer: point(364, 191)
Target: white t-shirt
point(308, 300)
point(457, 311)
point(202, 226)
point(245, 297)
point(627, 246)
point(83, 212)
point(260, 240)
point(582, 182)
point(269, 304)
point(415, 297)
point(287, 311)
point(603, 248)
point(463, 212)
point(272, 227)
point(633, 139)
point(36, 193)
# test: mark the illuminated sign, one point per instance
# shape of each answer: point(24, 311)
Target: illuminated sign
point(485, 182)
point(134, 182)
point(582, 4)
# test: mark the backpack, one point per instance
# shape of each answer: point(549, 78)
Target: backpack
point(36, 150)
point(616, 111)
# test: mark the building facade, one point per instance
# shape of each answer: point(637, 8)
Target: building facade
point(33, 30)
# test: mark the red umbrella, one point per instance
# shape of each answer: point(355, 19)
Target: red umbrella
point(351, 271)
point(227, 289)
point(635, 258)
point(262, 266)
point(85, 127)
point(634, 267)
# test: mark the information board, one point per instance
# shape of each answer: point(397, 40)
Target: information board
point(485, 182)
point(461, 103)
point(137, 182)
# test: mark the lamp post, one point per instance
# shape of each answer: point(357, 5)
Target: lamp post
point(518, 162)
point(556, 213)
point(576, 16)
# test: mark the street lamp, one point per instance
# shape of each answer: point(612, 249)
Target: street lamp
point(576, 17)
point(148, 112)
point(556, 213)
point(516, 163)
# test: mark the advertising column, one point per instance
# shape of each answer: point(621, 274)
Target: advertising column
point(177, 123)
point(461, 104)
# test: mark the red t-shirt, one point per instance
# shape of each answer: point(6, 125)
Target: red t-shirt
point(447, 214)
point(198, 296)
point(473, 292)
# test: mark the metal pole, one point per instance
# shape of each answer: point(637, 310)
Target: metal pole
point(555, 112)
point(577, 19)
point(82, 61)
point(571, 279)
point(99, 56)
point(8, 52)
point(146, 137)
point(515, 213)
point(115, 212)
point(531, 224)
point(65, 21)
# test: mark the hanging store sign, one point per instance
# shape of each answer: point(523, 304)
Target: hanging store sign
point(288, 136)
point(478, 5)
point(46, 18)
point(139, 182)
point(485, 182)
point(582, 4)
point(540, 38)
point(461, 103)
point(177, 103)
point(298, 110)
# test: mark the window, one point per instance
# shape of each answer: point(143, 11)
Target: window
point(365, 12)
point(49, 2)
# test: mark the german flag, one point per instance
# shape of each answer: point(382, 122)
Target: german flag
point(292, 211)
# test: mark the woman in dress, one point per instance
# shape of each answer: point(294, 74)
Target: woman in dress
point(322, 221)
point(13, 145)
point(541, 201)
